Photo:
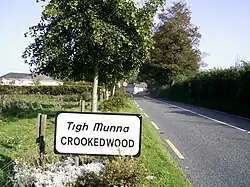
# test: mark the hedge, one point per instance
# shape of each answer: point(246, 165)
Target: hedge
point(224, 89)
point(48, 90)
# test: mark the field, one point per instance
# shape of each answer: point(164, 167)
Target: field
point(18, 133)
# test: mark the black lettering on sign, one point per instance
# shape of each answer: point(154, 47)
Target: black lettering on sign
point(107, 128)
point(102, 142)
point(70, 139)
point(98, 127)
point(124, 143)
point(131, 143)
point(126, 129)
point(118, 129)
point(64, 143)
point(77, 128)
point(76, 141)
point(84, 141)
point(110, 142)
point(70, 123)
point(117, 143)
point(90, 142)
point(95, 141)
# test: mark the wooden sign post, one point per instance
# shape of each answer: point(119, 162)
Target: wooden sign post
point(41, 123)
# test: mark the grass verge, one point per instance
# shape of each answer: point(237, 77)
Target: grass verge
point(156, 157)
point(18, 133)
point(17, 141)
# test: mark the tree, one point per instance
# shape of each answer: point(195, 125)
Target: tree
point(94, 38)
point(175, 54)
point(202, 63)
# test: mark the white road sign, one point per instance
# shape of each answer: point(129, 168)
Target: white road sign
point(98, 133)
point(125, 84)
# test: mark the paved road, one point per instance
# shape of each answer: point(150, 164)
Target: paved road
point(215, 146)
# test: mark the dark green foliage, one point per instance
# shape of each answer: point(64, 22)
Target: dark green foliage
point(223, 89)
point(48, 90)
point(74, 38)
point(114, 104)
point(176, 53)
point(20, 108)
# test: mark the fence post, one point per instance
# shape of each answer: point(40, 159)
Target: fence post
point(82, 105)
point(41, 122)
point(82, 109)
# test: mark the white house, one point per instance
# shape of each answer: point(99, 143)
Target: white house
point(25, 79)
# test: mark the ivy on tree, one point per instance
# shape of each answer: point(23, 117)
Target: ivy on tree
point(94, 38)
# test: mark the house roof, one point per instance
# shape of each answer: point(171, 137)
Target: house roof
point(44, 78)
point(27, 76)
point(16, 76)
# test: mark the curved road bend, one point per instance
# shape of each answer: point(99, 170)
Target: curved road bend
point(215, 146)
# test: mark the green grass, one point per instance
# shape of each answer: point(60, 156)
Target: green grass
point(18, 133)
point(18, 136)
point(156, 157)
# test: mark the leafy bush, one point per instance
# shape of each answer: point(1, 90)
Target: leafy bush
point(224, 89)
point(86, 96)
point(127, 172)
point(124, 172)
point(48, 90)
point(114, 104)
point(20, 108)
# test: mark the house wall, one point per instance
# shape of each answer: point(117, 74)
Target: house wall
point(26, 82)
point(17, 82)
point(51, 83)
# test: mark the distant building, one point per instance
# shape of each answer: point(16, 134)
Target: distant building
point(25, 79)
point(136, 88)
point(140, 87)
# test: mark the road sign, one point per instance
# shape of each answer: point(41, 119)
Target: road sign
point(125, 84)
point(98, 133)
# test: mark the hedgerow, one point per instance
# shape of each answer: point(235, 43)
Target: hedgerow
point(115, 103)
point(224, 89)
point(48, 90)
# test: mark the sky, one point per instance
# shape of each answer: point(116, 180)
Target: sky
point(224, 25)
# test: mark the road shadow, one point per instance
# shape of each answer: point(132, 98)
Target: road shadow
point(233, 120)
point(6, 171)
point(180, 112)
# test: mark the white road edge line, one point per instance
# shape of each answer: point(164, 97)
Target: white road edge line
point(177, 152)
point(145, 114)
point(155, 126)
point(140, 109)
point(218, 121)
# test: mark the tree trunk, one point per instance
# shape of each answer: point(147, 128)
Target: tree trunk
point(113, 90)
point(119, 84)
point(107, 94)
point(101, 95)
point(94, 92)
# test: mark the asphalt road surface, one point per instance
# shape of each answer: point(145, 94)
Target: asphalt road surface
point(213, 148)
